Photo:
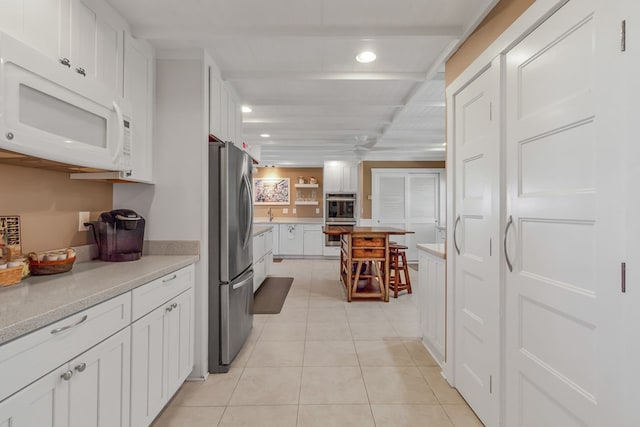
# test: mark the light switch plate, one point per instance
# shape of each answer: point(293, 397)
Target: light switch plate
point(294, 211)
point(285, 210)
point(317, 210)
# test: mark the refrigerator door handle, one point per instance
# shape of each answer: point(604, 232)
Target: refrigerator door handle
point(248, 209)
point(243, 280)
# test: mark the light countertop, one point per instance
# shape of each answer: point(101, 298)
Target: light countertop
point(258, 229)
point(41, 300)
point(436, 249)
point(288, 220)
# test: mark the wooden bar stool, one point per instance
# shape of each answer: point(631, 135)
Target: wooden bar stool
point(399, 279)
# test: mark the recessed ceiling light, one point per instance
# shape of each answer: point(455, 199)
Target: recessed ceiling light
point(246, 109)
point(366, 57)
point(265, 135)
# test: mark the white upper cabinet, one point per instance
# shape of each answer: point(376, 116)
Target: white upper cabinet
point(340, 176)
point(85, 36)
point(138, 90)
point(96, 42)
point(42, 24)
point(225, 113)
point(232, 105)
point(215, 106)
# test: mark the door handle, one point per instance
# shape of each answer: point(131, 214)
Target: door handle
point(120, 119)
point(249, 218)
point(504, 243)
point(66, 328)
point(455, 235)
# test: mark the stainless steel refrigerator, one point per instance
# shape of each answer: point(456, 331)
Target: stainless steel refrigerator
point(230, 253)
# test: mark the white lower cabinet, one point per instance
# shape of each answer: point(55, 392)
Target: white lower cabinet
point(96, 369)
point(432, 303)
point(291, 239)
point(313, 241)
point(161, 345)
point(90, 390)
point(262, 257)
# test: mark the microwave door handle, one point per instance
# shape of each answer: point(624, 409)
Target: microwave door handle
point(120, 119)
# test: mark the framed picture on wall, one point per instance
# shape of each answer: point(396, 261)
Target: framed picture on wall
point(271, 191)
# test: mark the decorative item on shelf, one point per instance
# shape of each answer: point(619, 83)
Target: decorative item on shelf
point(53, 262)
point(301, 180)
point(10, 270)
point(313, 180)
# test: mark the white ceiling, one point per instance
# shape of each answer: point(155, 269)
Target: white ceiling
point(293, 62)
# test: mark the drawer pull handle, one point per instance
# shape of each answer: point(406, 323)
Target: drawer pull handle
point(169, 309)
point(169, 278)
point(65, 328)
point(81, 367)
point(174, 305)
point(67, 375)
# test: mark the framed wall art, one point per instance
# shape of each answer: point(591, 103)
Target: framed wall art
point(271, 191)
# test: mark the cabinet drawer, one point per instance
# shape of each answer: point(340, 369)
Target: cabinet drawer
point(367, 242)
point(258, 247)
point(150, 296)
point(368, 253)
point(26, 359)
point(313, 227)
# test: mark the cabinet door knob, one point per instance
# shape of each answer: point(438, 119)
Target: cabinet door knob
point(65, 62)
point(81, 71)
point(81, 367)
point(169, 308)
point(174, 305)
point(67, 375)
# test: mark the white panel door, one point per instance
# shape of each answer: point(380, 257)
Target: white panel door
point(138, 90)
point(148, 378)
point(43, 403)
point(562, 235)
point(407, 200)
point(42, 24)
point(621, 105)
point(179, 327)
point(99, 388)
point(476, 278)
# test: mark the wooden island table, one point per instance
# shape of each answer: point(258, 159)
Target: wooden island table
point(364, 259)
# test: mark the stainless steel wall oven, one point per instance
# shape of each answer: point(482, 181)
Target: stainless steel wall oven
point(340, 209)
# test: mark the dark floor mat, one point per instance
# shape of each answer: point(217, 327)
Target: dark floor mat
point(270, 296)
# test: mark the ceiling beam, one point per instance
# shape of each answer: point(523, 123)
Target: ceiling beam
point(289, 76)
point(204, 32)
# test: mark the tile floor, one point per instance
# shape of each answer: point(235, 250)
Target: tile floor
point(325, 362)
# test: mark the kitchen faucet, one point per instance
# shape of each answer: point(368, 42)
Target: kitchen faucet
point(270, 215)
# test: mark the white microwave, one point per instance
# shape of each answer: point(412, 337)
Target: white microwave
point(46, 111)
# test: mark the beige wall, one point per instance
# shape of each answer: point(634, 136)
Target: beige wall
point(494, 24)
point(366, 178)
point(292, 174)
point(48, 204)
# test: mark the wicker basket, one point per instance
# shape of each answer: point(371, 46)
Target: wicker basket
point(42, 268)
point(9, 275)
